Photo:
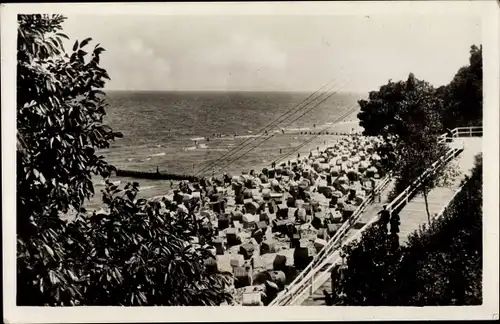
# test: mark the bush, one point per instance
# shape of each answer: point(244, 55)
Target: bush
point(135, 254)
point(368, 278)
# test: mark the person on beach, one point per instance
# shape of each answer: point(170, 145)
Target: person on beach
point(280, 151)
point(157, 170)
point(298, 155)
point(283, 131)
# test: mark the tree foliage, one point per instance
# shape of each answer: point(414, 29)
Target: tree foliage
point(406, 115)
point(368, 277)
point(137, 253)
point(440, 265)
point(59, 121)
point(398, 108)
point(463, 96)
point(457, 104)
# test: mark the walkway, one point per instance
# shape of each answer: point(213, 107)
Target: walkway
point(413, 214)
point(316, 299)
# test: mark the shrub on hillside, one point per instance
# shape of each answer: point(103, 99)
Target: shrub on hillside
point(137, 253)
point(368, 277)
point(440, 265)
point(446, 258)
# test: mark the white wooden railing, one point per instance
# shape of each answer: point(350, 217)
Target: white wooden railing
point(315, 274)
point(462, 132)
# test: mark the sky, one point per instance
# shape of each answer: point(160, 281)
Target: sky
point(275, 53)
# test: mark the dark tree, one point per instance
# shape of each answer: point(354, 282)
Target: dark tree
point(463, 97)
point(136, 253)
point(406, 115)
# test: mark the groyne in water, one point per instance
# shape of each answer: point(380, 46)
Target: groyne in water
point(154, 175)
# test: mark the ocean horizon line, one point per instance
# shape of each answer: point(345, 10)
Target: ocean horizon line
point(238, 91)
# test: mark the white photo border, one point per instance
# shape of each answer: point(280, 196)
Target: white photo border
point(487, 10)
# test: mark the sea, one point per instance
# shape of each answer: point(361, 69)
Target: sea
point(206, 133)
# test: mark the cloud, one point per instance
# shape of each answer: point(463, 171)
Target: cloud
point(271, 52)
point(135, 65)
point(144, 54)
point(244, 50)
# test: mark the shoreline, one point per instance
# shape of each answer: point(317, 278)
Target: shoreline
point(158, 188)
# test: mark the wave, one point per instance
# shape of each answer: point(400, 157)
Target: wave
point(158, 154)
point(247, 136)
point(197, 139)
point(147, 187)
point(218, 149)
point(301, 129)
point(203, 146)
point(191, 148)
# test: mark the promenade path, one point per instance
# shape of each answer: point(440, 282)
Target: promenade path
point(412, 215)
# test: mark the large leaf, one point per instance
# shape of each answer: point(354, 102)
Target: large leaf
point(85, 42)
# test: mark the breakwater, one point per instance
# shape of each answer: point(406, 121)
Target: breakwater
point(155, 175)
